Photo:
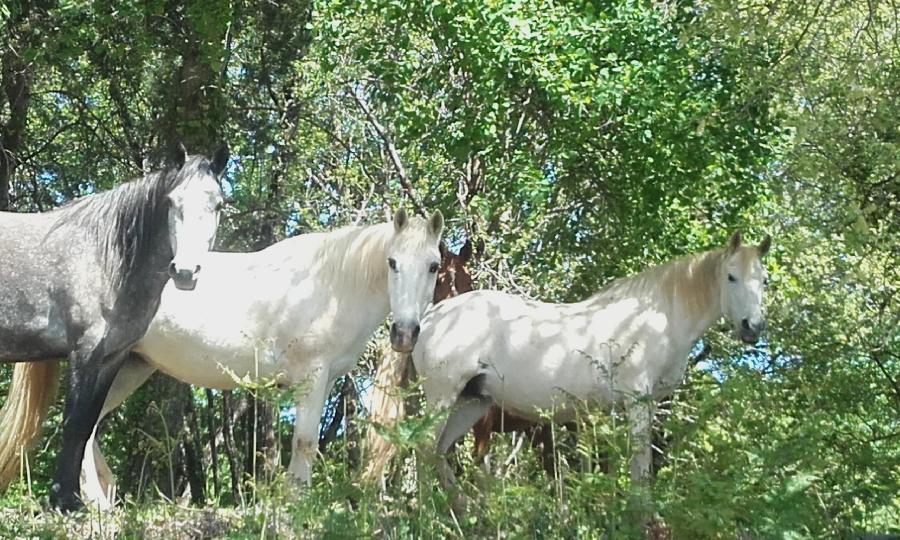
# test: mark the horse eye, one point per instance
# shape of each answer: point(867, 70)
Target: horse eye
point(731, 278)
point(219, 206)
point(392, 263)
point(434, 267)
point(766, 281)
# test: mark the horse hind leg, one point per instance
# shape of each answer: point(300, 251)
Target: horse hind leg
point(470, 406)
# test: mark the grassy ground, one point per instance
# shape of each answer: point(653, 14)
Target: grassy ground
point(513, 498)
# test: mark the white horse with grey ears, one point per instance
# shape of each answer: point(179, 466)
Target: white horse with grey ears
point(628, 342)
point(300, 311)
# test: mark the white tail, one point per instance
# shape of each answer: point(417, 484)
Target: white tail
point(387, 408)
point(33, 389)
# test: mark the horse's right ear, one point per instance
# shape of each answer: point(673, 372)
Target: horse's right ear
point(735, 242)
point(220, 160)
point(465, 252)
point(178, 155)
point(401, 220)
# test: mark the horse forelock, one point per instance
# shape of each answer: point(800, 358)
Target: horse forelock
point(414, 237)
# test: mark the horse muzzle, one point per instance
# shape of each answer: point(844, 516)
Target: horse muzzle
point(184, 280)
point(750, 332)
point(404, 337)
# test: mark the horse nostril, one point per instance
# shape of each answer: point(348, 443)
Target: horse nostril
point(197, 269)
point(172, 270)
point(415, 334)
point(394, 331)
point(745, 324)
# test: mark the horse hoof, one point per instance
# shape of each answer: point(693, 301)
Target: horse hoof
point(66, 503)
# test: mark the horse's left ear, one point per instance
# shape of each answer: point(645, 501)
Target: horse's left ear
point(765, 245)
point(735, 242)
point(436, 224)
point(465, 252)
point(220, 160)
point(401, 220)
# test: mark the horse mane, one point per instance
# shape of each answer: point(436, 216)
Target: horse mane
point(692, 279)
point(122, 220)
point(356, 257)
point(348, 256)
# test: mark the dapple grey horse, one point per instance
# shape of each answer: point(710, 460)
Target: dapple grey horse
point(83, 282)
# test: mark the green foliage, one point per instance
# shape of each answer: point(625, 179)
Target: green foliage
point(580, 141)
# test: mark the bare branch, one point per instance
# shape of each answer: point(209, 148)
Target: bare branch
point(391, 149)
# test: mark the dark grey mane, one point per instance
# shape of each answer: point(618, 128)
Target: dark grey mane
point(123, 219)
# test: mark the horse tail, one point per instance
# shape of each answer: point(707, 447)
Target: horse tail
point(33, 389)
point(387, 408)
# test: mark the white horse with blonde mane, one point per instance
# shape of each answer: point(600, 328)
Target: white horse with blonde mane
point(629, 341)
point(300, 312)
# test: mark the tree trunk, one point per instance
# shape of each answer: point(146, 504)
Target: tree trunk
point(213, 443)
point(194, 466)
point(228, 443)
point(388, 406)
point(16, 82)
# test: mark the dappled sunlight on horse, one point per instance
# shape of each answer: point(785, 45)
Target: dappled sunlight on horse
point(627, 344)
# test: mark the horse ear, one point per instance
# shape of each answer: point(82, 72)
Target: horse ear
point(465, 252)
point(765, 245)
point(220, 160)
point(735, 242)
point(178, 155)
point(436, 224)
point(400, 220)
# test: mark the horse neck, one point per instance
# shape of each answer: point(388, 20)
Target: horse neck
point(147, 275)
point(359, 267)
point(685, 291)
point(691, 289)
point(131, 228)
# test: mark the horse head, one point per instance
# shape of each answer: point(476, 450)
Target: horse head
point(413, 262)
point(453, 278)
point(742, 284)
point(194, 206)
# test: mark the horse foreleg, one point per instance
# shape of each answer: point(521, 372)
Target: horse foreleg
point(97, 480)
point(305, 442)
point(92, 373)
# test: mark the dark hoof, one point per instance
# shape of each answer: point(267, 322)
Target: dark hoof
point(64, 502)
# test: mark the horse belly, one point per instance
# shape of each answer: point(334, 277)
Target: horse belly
point(551, 383)
point(211, 365)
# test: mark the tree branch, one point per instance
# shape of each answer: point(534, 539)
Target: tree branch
point(391, 149)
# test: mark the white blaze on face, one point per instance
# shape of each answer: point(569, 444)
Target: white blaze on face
point(193, 219)
point(413, 262)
